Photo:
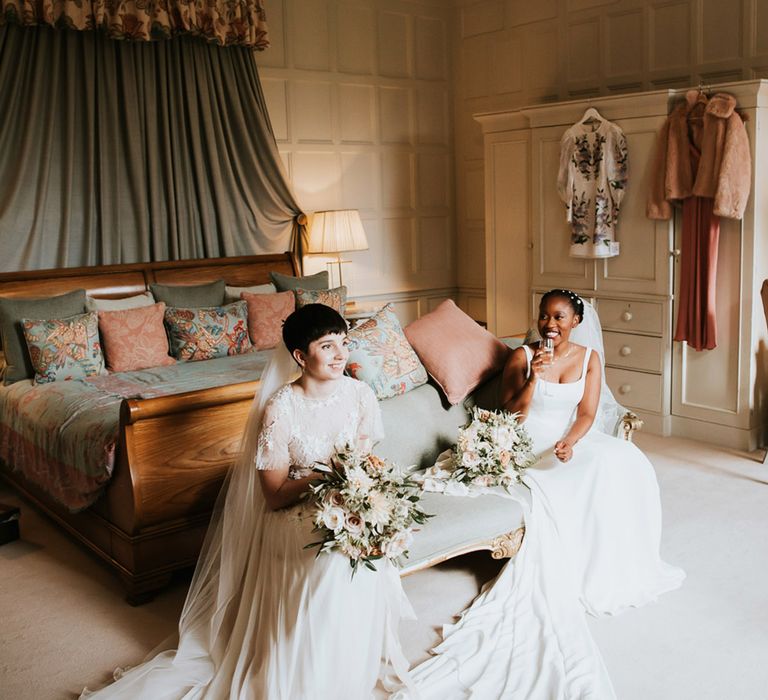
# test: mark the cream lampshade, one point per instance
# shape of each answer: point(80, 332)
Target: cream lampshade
point(336, 232)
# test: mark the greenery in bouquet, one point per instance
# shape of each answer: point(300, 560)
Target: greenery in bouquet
point(493, 449)
point(366, 508)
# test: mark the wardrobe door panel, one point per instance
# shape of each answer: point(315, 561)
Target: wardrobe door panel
point(552, 266)
point(644, 264)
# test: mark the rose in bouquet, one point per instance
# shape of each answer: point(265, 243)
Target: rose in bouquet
point(365, 507)
point(493, 449)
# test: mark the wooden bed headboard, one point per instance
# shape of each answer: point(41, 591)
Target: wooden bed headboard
point(115, 281)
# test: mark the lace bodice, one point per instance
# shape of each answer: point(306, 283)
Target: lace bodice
point(298, 431)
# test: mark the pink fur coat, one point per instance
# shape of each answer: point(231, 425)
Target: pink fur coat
point(717, 131)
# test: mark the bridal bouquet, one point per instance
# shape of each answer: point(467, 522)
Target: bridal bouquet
point(366, 508)
point(493, 449)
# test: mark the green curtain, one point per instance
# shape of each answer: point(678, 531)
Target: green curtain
point(116, 151)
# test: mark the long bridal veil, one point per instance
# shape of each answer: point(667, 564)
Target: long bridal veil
point(589, 332)
point(208, 627)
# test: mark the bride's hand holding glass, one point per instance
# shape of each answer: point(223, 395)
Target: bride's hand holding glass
point(543, 357)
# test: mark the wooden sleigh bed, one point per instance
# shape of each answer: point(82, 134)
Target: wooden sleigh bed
point(172, 451)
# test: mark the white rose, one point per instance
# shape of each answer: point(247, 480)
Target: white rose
point(333, 518)
point(470, 459)
point(398, 544)
point(333, 498)
point(354, 524)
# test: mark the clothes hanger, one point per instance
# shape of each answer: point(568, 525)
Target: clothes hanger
point(703, 89)
point(591, 116)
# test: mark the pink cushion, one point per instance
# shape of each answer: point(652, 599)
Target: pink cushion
point(134, 338)
point(266, 313)
point(457, 352)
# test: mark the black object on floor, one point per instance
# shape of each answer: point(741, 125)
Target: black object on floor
point(9, 523)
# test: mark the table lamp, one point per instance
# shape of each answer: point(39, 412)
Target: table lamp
point(336, 231)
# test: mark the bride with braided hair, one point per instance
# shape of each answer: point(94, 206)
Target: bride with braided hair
point(593, 528)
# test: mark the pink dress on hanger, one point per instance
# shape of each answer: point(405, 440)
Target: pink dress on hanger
point(696, 320)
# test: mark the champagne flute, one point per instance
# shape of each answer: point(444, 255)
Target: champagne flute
point(548, 345)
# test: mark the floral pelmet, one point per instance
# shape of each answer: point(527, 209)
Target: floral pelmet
point(224, 22)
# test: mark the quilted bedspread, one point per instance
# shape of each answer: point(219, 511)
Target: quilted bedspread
point(62, 436)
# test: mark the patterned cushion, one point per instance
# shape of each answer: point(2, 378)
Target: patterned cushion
point(266, 313)
point(335, 298)
point(135, 338)
point(65, 348)
point(381, 356)
point(192, 296)
point(287, 283)
point(205, 333)
point(13, 309)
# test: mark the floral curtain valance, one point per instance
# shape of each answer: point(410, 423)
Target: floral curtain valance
point(225, 22)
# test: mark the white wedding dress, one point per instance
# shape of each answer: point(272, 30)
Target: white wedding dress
point(591, 543)
point(279, 623)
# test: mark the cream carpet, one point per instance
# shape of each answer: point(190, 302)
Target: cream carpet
point(63, 622)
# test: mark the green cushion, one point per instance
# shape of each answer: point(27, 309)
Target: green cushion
point(418, 426)
point(287, 283)
point(12, 310)
point(190, 296)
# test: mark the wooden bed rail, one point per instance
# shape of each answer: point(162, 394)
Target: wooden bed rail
point(133, 410)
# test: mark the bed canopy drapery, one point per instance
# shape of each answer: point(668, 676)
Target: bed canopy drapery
point(129, 151)
point(225, 22)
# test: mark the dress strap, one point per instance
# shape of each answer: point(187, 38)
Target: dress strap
point(586, 362)
point(528, 358)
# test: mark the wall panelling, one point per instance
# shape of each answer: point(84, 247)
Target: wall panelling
point(360, 95)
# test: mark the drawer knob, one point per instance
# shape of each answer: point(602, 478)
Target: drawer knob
point(625, 351)
point(625, 388)
point(626, 316)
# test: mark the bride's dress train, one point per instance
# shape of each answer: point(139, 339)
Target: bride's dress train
point(593, 527)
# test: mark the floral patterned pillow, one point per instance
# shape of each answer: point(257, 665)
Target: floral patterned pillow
point(335, 298)
point(64, 348)
point(135, 338)
point(266, 313)
point(381, 356)
point(208, 332)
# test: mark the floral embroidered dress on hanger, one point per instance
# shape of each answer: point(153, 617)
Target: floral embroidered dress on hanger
point(591, 181)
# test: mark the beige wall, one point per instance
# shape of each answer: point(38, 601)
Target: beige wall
point(360, 97)
point(510, 53)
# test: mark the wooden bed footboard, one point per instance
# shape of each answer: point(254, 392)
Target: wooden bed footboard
point(173, 454)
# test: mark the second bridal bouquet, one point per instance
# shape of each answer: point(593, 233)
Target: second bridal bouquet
point(493, 449)
point(366, 508)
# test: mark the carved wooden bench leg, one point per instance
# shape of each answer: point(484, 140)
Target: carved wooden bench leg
point(629, 423)
point(506, 546)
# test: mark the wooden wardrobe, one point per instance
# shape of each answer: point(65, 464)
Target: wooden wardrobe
point(719, 395)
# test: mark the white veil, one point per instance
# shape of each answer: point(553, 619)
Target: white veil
point(207, 625)
point(590, 333)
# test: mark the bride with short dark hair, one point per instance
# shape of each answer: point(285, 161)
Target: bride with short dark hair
point(265, 619)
